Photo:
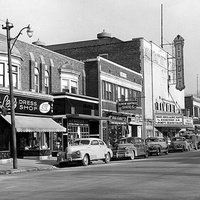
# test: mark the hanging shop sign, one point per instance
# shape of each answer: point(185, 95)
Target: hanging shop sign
point(127, 105)
point(168, 120)
point(27, 105)
point(114, 119)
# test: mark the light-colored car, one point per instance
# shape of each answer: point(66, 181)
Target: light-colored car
point(130, 147)
point(157, 145)
point(179, 144)
point(86, 150)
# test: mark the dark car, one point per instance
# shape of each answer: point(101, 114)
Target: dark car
point(157, 145)
point(179, 144)
point(130, 147)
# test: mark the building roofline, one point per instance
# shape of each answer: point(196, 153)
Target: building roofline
point(43, 48)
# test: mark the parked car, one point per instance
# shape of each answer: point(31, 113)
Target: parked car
point(86, 150)
point(179, 144)
point(130, 147)
point(157, 145)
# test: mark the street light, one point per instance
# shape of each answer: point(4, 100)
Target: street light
point(8, 26)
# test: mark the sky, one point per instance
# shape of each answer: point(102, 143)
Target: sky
point(63, 21)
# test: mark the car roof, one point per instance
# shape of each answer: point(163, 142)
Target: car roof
point(130, 137)
point(88, 139)
point(154, 137)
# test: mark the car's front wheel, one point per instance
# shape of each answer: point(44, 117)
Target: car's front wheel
point(85, 160)
point(158, 152)
point(107, 158)
point(132, 156)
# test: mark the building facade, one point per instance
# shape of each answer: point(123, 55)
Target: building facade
point(161, 101)
point(192, 109)
point(37, 72)
point(119, 92)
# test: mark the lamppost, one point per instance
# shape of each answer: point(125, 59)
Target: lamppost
point(10, 46)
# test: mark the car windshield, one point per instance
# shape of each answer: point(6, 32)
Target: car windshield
point(152, 140)
point(127, 140)
point(122, 141)
point(81, 142)
point(177, 139)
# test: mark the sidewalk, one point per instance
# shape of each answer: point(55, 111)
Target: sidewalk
point(26, 165)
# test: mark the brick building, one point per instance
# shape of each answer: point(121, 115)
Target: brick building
point(115, 85)
point(37, 74)
point(160, 98)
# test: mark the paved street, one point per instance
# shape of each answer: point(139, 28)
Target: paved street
point(173, 176)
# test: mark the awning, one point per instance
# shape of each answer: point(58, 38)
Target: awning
point(35, 124)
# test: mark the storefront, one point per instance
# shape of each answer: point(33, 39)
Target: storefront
point(79, 114)
point(33, 123)
point(169, 125)
point(117, 126)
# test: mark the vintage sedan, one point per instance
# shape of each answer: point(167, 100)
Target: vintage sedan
point(179, 144)
point(86, 150)
point(130, 147)
point(157, 145)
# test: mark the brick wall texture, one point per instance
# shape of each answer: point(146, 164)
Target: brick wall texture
point(125, 53)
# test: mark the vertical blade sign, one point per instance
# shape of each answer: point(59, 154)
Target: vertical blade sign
point(178, 44)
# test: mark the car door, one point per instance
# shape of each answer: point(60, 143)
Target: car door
point(103, 149)
point(142, 146)
point(95, 151)
point(137, 143)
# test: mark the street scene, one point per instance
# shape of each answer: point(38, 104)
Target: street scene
point(173, 176)
point(99, 99)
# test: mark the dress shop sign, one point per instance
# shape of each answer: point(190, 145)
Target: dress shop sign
point(27, 105)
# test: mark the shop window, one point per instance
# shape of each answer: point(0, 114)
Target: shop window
point(57, 141)
point(46, 82)
point(4, 139)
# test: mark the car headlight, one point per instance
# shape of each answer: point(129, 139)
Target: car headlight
point(77, 153)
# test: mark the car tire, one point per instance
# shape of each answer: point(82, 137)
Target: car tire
point(85, 160)
point(146, 154)
point(166, 152)
point(132, 156)
point(107, 158)
point(158, 152)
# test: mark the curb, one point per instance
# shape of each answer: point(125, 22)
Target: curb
point(14, 171)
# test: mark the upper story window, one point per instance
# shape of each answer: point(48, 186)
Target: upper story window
point(15, 76)
point(4, 76)
point(37, 80)
point(108, 95)
point(74, 87)
point(68, 85)
point(46, 81)
point(69, 81)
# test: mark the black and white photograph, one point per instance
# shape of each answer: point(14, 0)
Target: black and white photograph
point(99, 100)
